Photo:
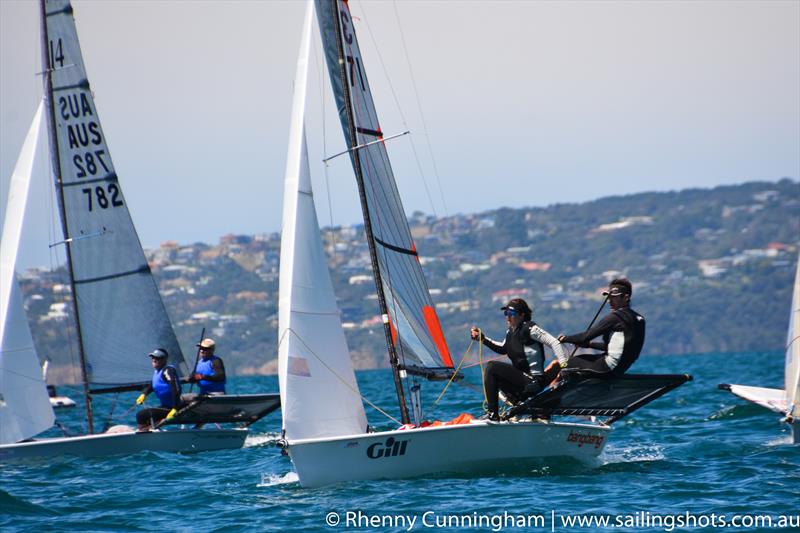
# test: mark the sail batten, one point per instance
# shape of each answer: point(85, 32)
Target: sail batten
point(120, 312)
point(416, 332)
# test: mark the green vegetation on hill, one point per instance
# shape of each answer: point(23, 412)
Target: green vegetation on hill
point(712, 271)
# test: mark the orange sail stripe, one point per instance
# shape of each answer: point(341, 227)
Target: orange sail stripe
point(394, 331)
point(435, 329)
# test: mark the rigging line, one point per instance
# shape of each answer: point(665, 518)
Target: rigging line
point(321, 76)
point(490, 359)
point(376, 213)
point(399, 109)
point(340, 378)
point(48, 178)
point(419, 109)
point(455, 373)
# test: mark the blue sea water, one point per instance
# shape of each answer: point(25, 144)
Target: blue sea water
point(695, 457)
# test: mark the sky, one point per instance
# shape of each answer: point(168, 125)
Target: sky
point(509, 103)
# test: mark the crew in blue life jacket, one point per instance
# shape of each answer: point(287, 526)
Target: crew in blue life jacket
point(209, 373)
point(524, 345)
point(166, 385)
point(622, 332)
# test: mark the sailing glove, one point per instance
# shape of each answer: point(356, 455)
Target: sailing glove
point(171, 414)
point(140, 399)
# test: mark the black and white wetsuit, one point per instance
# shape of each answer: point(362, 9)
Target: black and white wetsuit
point(622, 331)
point(525, 347)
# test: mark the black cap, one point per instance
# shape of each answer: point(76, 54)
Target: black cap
point(519, 305)
point(158, 353)
point(618, 287)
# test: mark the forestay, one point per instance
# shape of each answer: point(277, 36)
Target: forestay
point(122, 317)
point(415, 328)
point(792, 370)
point(319, 393)
point(24, 404)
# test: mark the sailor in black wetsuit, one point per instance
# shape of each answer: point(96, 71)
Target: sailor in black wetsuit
point(524, 345)
point(622, 332)
point(166, 385)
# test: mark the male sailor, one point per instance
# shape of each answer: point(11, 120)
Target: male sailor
point(209, 373)
point(166, 385)
point(622, 332)
point(524, 345)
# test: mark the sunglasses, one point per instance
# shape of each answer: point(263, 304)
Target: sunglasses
point(509, 312)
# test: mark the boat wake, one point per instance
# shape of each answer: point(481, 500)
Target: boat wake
point(271, 480)
point(261, 439)
point(631, 454)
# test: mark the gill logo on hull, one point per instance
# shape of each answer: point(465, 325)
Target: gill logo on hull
point(390, 448)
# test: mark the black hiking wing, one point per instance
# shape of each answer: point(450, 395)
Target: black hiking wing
point(614, 397)
point(243, 409)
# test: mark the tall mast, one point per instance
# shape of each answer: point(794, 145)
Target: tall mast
point(362, 193)
point(48, 65)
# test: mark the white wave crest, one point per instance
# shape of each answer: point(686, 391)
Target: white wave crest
point(261, 439)
point(270, 480)
point(631, 454)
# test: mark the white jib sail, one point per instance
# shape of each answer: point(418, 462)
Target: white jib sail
point(792, 370)
point(319, 393)
point(24, 405)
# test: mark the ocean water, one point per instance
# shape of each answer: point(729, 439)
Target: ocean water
point(697, 457)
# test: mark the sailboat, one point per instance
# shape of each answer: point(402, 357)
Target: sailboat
point(118, 312)
point(325, 430)
point(785, 401)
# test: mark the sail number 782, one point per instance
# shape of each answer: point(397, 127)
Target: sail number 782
point(102, 197)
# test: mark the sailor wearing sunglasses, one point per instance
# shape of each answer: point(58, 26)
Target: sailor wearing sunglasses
point(524, 345)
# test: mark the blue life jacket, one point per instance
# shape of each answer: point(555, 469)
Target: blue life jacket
point(206, 368)
point(163, 389)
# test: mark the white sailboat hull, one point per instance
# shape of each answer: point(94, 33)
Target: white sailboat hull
point(772, 399)
point(183, 440)
point(479, 447)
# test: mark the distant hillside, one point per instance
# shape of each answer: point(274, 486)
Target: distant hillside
point(712, 271)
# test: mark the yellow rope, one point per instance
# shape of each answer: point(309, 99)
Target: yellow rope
point(463, 358)
point(455, 372)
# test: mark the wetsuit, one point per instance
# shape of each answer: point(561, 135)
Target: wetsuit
point(213, 372)
point(622, 331)
point(524, 376)
point(167, 386)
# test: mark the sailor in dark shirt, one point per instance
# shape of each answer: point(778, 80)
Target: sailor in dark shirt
point(524, 345)
point(621, 331)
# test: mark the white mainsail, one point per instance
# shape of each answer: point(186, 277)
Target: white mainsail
point(319, 393)
point(122, 316)
point(24, 404)
point(792, 370)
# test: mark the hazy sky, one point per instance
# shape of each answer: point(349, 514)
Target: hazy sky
point(525, 103)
